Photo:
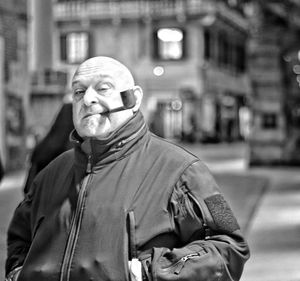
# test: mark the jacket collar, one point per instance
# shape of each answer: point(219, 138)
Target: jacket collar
point(92, 153)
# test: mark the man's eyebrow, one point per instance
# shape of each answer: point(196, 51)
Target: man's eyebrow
point(75, 82)
point(105, 80)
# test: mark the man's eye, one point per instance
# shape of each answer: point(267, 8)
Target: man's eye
point(103, 90)
point(79, 93)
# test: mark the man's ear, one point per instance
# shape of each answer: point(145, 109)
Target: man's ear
point(138, 94)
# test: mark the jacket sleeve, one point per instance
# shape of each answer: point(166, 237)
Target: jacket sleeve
point(213, 247)
point(19, 235)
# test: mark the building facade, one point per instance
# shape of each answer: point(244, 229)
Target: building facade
point(48, 81)
point(14, 81)
point(209, 73)
point(274, 68)
point(189, 56)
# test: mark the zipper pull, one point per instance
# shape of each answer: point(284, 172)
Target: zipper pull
point(89, 165)
point(180, 265)
point(182, 262)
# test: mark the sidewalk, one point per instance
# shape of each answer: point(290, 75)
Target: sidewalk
point(274, 233)
point(13, 179)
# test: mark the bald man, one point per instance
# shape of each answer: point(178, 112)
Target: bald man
point(123, 204)
point(96, 85)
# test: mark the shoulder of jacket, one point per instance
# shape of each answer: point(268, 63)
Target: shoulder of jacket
point(172, 149)
point(62, 162)
point(65, 156)
point(55, 172)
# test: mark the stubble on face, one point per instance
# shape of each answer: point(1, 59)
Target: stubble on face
point(89, 123)
point(94, 125)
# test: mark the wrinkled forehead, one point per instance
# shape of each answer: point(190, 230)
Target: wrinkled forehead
point(104, 67)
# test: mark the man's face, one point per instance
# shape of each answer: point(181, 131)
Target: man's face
point(96, 89)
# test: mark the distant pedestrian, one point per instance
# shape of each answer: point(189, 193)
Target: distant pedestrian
point(53, 144)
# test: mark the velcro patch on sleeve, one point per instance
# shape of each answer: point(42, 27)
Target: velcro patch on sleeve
point(222, 214)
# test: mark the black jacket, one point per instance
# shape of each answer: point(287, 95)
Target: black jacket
point(133, 195)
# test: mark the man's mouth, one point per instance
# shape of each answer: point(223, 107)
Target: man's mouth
point(105, 113)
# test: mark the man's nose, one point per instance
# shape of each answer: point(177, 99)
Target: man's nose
point(90, 97)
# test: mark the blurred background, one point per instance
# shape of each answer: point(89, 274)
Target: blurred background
point(220, 77)
point(212, 70)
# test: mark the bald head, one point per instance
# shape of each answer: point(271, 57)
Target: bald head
point(105, 66)
point(98, 107)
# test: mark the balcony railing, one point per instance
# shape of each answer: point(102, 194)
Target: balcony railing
point(49, 81)
point(129, 9)
point(117, 10)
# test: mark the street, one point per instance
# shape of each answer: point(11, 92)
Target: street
point(264, 199)
point(274, 235)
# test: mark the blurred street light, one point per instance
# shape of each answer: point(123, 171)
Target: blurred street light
point(158, 71)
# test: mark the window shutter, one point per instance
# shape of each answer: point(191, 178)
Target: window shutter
point(155, 45)
point(184, 44)
point(63, 47)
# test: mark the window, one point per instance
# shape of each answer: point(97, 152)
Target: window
point(207, 44)
point(224, 49)
point(241, 58)
point(169, 44)
point(74, 47)
point(66, 0)
point(269, 121)
point(231, 52)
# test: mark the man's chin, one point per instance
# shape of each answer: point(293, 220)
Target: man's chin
point(90, 133)
point(94, 127)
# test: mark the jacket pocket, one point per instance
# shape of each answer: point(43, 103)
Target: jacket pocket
point(184, 264)
point(178, 266)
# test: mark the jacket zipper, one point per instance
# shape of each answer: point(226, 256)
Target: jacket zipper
point(75, 227)
point(207, 231)
point(181, 263)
